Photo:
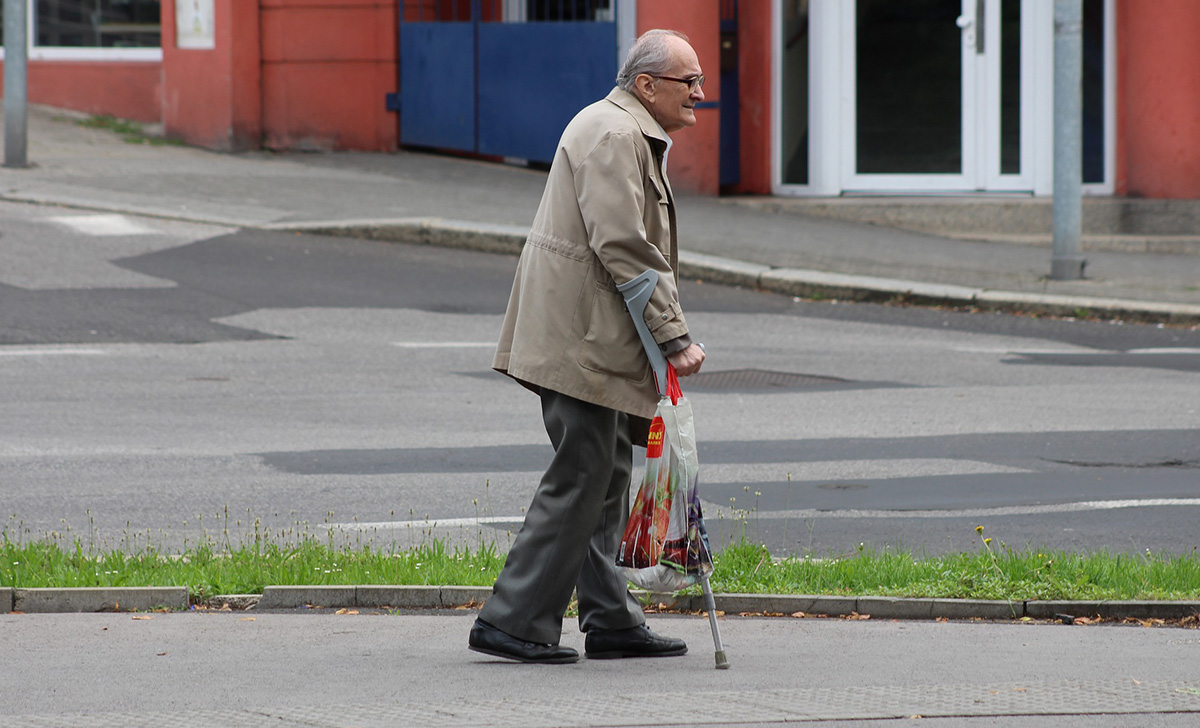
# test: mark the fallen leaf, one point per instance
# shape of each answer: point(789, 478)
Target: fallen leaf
point(798, 615)
point(141, 616)
point(248, 619)
point(161, 654)
point(346, 611)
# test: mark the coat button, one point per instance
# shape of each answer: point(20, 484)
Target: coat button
point(666, 316)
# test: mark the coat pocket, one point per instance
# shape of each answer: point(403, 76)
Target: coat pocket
point(611, 344)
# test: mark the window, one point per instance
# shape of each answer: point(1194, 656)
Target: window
point(97, 24)
point(92, 30)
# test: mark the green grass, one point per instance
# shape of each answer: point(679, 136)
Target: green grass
point(209, 570)
point(131, 131)
point(984, 574)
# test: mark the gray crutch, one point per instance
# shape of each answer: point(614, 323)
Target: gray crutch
point(637, 294)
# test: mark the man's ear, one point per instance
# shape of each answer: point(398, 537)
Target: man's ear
point(644, 83)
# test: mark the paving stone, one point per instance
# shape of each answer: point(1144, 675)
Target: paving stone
point(785, 604)
point(408, 597)
point(6, 599)
point(297, 597)
point(896, 607)
point(1103, 699)
point(460, 596)
point(1113, 609)
point(976, 609)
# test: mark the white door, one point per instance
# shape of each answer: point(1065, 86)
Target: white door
point(936, 95)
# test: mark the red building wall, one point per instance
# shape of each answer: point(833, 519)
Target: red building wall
point(754, 90)
point(327, 67)
point(213, 98)
point(695, 154)
point(125, 89)
point(1158, 98)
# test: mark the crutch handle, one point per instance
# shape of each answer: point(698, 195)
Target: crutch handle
point(637, 292)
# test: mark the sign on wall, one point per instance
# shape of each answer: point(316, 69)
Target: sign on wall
point(194, 24)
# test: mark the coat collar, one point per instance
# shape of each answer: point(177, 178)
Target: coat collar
point(651, 129)
point(649, 126)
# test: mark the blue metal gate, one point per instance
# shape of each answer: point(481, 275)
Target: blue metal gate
point(502, 77)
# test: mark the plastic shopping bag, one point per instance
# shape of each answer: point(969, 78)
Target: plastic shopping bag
point(665, 546)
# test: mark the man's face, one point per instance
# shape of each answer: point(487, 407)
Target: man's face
point(672, 102)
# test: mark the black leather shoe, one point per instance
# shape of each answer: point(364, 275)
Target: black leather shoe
point(491, 641)
point(639, 641)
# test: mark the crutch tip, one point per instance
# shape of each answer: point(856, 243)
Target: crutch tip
point(722, 660)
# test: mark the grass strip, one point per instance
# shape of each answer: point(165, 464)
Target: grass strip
point(740, 568)
point(130, 131)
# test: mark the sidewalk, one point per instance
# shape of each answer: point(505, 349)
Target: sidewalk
point(361, 668)
point(788, 246)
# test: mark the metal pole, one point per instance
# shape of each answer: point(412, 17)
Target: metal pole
point(15, 107)
point(1066, 263)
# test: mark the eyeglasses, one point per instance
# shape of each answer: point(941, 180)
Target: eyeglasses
point(693, 82)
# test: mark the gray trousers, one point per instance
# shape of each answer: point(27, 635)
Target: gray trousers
point(572, 530)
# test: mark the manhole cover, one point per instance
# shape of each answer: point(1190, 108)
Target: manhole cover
point(758, 379)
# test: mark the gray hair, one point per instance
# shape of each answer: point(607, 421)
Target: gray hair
point(650, 54)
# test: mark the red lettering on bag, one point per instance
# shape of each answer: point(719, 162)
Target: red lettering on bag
point(654, 443)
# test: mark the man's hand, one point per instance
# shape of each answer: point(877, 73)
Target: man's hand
point(687, 361)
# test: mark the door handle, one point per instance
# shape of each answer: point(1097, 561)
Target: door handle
point(974, 26)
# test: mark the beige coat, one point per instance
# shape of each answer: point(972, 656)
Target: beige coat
point(606, 215)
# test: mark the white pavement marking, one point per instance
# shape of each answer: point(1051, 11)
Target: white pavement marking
point(828, 470)
point(1165, 350)
point(444, 344)
point(1072, 352)
point(103, 225)
point(49, 351)
point(425, 523)
point(715, 510)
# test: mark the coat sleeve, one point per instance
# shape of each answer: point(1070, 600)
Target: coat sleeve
point(610, 185)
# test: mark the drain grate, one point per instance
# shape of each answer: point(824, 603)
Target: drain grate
point(743, 380)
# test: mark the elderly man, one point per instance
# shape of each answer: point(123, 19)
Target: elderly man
point(607, 215)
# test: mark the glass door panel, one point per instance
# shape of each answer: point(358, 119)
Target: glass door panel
point(908, 87)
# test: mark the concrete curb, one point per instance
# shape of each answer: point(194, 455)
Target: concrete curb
point(374, 596)
point(99, 599)
point(371, 596)
point(787, 281)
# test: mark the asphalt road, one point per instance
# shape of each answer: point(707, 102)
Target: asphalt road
point(165, 383)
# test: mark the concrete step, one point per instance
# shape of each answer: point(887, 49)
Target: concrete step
point(1163, 244)
point(1109, 223)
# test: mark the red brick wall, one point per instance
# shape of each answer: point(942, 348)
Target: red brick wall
point(1158, 98)
point(327, 66)
point(124, 89)
point(213, 98)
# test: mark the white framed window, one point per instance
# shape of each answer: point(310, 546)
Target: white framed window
point(93, 30)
